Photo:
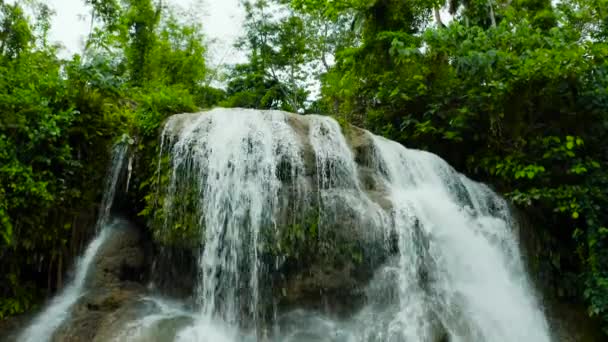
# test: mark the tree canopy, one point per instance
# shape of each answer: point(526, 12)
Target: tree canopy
point(59, 118)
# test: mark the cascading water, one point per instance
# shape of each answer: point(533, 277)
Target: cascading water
point(58, 310)
point(456, 232)
point(451, 269)
point(236, 189)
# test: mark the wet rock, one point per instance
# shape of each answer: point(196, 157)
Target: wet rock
point(301, 127)
point(361, 144)
point(332, 290)
point(95, 308)
point(115, 282)
point(11, 327)
point(569, 322)
point(566, 314)
point(175, 272)
point(120, 259)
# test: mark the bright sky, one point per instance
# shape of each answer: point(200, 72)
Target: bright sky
point(222, 21)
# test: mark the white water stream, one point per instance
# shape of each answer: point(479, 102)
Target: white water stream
point(59, 308)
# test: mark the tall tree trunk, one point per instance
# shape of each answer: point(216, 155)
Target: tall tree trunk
point(324, 49)
point(492, 17)
point(60, 271)
point(89, 38)
point(49, 277)
point(438, 17)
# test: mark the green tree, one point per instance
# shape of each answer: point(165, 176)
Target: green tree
point(59, 119)
point(45, 143)
point(281, 65)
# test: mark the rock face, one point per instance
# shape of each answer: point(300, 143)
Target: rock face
point(10, 328)
point(567, 316)
point(335, 290)
point(115, 282)
point(120, 260)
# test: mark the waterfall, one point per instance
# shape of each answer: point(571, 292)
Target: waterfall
point(449, 263)
point(458, 233)
point(230, 171)
point(291, 216)
point(58, 309)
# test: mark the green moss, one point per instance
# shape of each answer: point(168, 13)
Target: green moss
point(182, 226)
point(345, 125)
point(296, 239)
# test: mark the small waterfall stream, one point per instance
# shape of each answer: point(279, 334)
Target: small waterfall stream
point(58, 309)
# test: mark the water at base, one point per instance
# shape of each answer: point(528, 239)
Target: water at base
point(457, 276)
point(58, 309)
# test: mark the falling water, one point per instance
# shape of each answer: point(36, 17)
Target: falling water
point(59, 308)
point(119, 156)
point(457, 273)
point(457, 234)
point(229, 162)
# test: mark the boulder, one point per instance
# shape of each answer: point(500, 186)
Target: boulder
point(11, 327)
point(331, 289)
point(120, 259)
point(114, 282)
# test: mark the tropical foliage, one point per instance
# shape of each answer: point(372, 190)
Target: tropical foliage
point(59, 119)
